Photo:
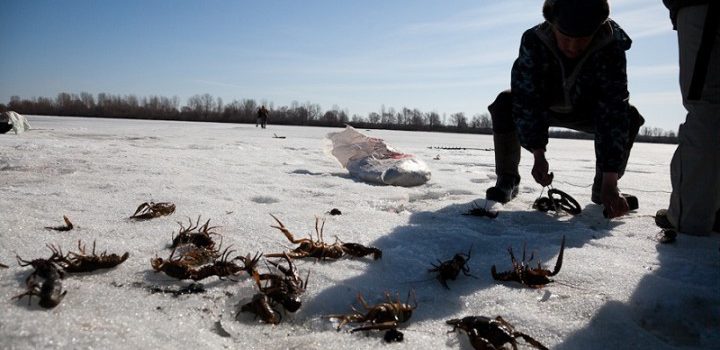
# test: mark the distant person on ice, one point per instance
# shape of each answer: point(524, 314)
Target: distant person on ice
point(262, 117)
point(695, 168)
point(571, 72)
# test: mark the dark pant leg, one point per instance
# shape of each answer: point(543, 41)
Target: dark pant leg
point(501, 113)
point(505, 139)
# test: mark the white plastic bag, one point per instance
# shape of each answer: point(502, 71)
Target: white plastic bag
point(372, 160)
point(19, 122)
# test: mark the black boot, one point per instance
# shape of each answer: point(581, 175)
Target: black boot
point(504, 190)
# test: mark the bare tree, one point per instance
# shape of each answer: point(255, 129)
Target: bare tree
point(459, 120)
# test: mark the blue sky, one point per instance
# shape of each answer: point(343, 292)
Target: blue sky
point(443, 56)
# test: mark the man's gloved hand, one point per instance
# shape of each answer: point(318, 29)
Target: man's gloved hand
point(540, 168)
point(615, 204)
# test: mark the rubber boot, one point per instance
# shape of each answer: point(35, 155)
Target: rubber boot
point(504, 190)
point(507, 159)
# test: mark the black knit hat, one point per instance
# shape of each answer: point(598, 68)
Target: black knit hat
point(576, 18)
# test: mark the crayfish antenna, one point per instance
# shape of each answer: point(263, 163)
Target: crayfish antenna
point(530, 340)
point(412, 291)
point(558, 264)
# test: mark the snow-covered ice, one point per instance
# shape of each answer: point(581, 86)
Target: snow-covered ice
point(618, 288)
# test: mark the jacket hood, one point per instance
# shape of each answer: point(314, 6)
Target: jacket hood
point(619, 35)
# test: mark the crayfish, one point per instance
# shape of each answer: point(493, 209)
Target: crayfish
point(310, 248)
point(81, 262)
point(181, 268)
point(481, 211)
point(201, 239)
point(147, 211)
point(383, 316)
point(450, 269)
point(525, 274)
point(489, 333)
point(224, 267)
point(68, 225)
point(45, 282)
point(260, 306)
point(283, 289)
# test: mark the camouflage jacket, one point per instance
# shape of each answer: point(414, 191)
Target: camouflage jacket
point(543, 82)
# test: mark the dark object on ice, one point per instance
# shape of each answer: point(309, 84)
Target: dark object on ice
point(285, 288)
point(278, 137)
point(82, 262)
point(44, 282)
point(557, 200)
point(68, 225)
point(505, 189)
point(661, 219)
point(666, 236)
point(450, 269)
point(192, 288)
point(383, 316)
point(5, 127)
point(523, 273)
point(491, 333)
point(260, 306)
point(202, 238)
point(3, 266)
point(335, 211)
point(147, 211)
point(393, 335)
point(318, 249)
point(632, 202)
point(477, 211)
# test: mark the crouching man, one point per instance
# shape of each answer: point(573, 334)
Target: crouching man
point(571, 72)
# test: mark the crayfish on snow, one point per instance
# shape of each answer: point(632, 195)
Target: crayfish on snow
point(68, 225)
point(44, 282)
point(283, 289)
point(525, 274)
point(147, 211)
point(450, 269)
point(383, 316)
point(261, 307)
point(201, 239)
point(181, 268)
point(310, 248)
point(489, 333)
point(81, 262)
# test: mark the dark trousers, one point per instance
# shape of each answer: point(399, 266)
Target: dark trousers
point(507, 145)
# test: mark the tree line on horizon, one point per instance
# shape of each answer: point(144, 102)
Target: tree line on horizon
point(206, 108)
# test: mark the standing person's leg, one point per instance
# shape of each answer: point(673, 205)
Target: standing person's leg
point(507, 150)
point(695, 167)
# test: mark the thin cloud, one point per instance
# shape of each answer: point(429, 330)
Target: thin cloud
point(504, 14)
point(645, 21)
point(662, 70)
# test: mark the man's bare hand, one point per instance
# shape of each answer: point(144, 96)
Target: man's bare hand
point(540, 169)
point(615, 204)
